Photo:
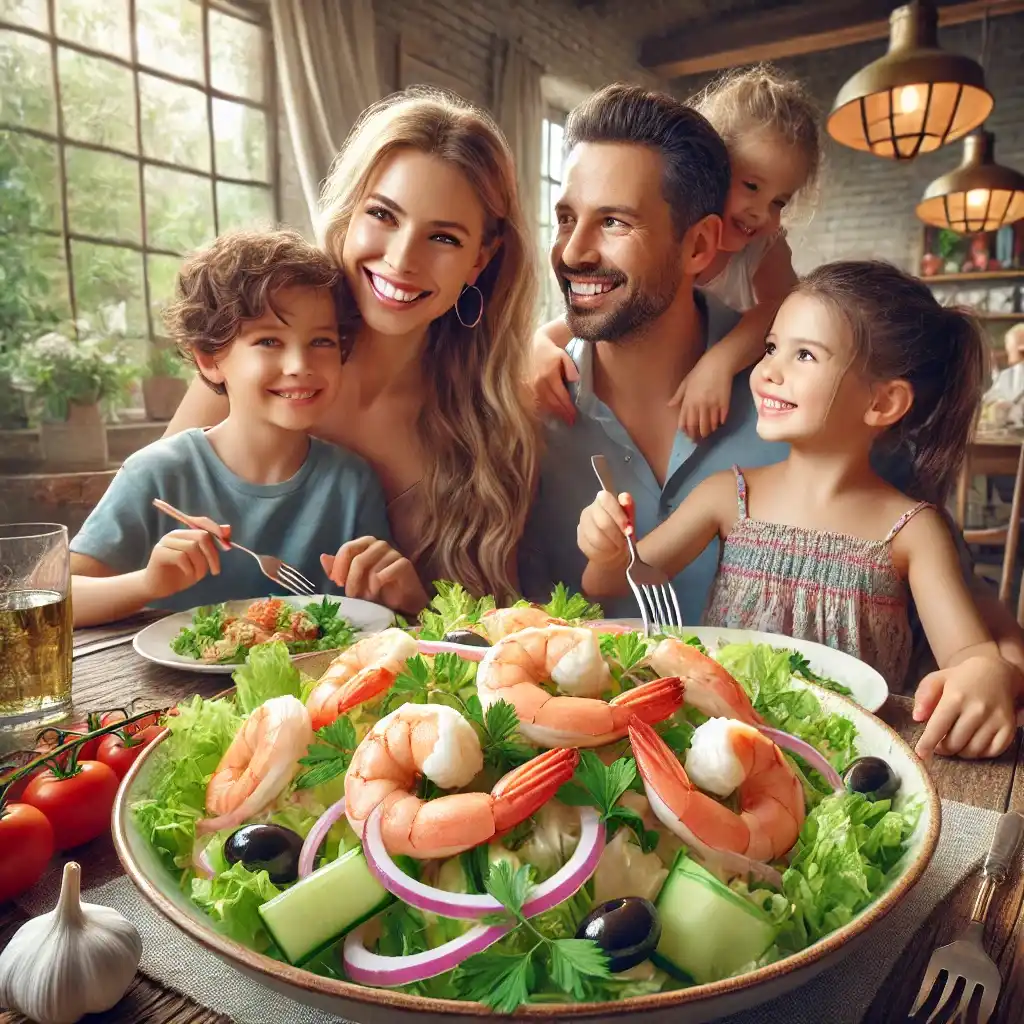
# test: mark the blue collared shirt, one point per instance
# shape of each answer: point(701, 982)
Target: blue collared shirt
point(549, 553)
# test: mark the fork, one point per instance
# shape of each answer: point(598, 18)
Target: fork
point(965, 959)
point(283, 574)
point(651, 587)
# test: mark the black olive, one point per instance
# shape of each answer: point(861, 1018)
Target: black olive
point(271, 848)
point(873, 777)
point(466, 636)
point(626, 929)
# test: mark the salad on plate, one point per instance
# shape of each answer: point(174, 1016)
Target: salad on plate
point(521, 805)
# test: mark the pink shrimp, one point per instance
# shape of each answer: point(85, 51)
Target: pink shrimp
point(499, 623)
point(725, 756)
point(366, 669)
point(514, 668)
point(435, 741)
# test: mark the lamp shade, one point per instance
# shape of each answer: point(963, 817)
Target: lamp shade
point(979, 195)
point(914, 99)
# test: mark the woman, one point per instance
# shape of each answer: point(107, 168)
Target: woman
point(421, 212)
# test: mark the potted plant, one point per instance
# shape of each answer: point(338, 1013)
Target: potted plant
point(67, 378)
point(165, 383)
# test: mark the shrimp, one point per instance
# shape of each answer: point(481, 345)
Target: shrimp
point(436, 741)
point(709, 688)
point(364, 670)
point(514, 668)
point(725, 755)
point(260, 762)
point(499, 623)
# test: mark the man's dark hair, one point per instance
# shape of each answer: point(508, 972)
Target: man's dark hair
point(696, 176)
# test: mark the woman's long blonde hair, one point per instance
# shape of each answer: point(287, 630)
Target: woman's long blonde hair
point(476, 425)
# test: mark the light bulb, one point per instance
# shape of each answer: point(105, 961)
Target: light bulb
point(977, 197)
point(909, 100)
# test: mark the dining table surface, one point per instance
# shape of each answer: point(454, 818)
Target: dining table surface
point(108, 673)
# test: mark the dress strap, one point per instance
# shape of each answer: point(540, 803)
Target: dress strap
point(905, 518)
point(741, 492)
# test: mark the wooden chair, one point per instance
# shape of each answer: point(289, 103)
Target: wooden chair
point(1008, 537)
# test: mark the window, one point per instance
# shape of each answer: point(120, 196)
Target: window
point(130, 132)
point(552, 132)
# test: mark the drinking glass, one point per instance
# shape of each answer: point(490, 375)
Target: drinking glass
point(35, 624)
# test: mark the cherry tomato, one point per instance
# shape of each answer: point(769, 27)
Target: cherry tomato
point(49, 739)
point(14, 763)
point(118, 754)
point(26, 845)
point(78, 805)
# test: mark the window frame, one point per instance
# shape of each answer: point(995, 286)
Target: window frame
point(553, 115)
point(59, 137)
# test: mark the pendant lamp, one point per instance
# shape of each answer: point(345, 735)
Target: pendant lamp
point(980, 195)
point(914, 99)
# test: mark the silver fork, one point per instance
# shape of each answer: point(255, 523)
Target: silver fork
point(281, 573)
point(651, 587)
point(965, 959)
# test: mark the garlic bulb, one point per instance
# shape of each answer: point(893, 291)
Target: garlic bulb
point(79, 958)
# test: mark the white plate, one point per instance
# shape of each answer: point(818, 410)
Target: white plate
point(868, 687)
point(154, 642)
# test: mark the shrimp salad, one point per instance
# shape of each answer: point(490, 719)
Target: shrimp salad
point(524, 805)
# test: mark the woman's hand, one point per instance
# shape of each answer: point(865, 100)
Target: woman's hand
point(373, 570)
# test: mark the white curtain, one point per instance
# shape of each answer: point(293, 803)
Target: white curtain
point(326, 53)
point(519, 110)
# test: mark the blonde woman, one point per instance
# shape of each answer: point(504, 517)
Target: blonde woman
point(422, 214)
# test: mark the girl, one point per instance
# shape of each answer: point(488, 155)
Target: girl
point(818, 546)
point(770, 127)
point(421, 213)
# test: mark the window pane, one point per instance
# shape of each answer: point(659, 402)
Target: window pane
point(170, 36)
point(243, 206)
point(98, 100)
point(545, 135)
point(174, 123)
point(237, 55)
point(163, 273)
point(240, 134)
point(25, 12)
point(179, 209)
point(29, 197)
point(35, 285)
point(103, 195)
point(26, 82)
point(106, 275)
point(557, 136)
point(545, 203)
point(102, 26)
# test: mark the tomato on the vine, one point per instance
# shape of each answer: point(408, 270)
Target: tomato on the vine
point(26, 845)
point(121, 752)
point(78, 805)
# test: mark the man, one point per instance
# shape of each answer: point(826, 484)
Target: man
point(638, 219)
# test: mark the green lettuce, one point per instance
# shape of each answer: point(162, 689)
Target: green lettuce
point(267, 673)
point(232, 899)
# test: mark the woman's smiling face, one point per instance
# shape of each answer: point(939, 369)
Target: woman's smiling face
point(416, 238)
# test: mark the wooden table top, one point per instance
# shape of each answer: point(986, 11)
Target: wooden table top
point(113, 676)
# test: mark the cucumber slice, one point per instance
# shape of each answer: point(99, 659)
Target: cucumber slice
point(315, 912)
point(708, 932)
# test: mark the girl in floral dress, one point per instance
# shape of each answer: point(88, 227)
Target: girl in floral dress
point(818, 546)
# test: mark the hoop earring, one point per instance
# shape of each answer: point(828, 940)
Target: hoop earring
point(480, 313)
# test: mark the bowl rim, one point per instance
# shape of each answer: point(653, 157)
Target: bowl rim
point(251, 961)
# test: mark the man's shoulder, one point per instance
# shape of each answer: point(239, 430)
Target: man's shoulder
point(719, 319)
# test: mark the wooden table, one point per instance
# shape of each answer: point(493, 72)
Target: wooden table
point(112, 677)
point(990, 453)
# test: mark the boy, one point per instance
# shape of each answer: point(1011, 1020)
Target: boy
point(257, 314)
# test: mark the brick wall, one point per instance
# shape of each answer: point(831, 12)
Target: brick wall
point(867, 205)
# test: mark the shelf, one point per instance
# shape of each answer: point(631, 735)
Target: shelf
point(979, 275)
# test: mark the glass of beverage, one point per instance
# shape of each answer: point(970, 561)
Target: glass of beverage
point(35, 624)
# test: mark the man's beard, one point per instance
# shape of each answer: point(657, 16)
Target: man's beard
point(631, 316)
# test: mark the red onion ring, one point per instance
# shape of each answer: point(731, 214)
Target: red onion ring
point(366, 968)
point(470, 906)
point(317, 834)
point(200, 861)
point(468, 652)
point(810, 754)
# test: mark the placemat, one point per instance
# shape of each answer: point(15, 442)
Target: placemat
point(840, 995)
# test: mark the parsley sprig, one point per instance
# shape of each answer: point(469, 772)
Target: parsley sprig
point(626, 657)
point(439, 683)
point(600, 785)
point(505, 980)
point(565, 604)
point(452, 607)
point(330, 757)
point(499, 734)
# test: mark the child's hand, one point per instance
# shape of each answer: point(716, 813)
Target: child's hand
point(601, 534)
point(969, 707)
point(550, 367)
point(703, 397)
point(180, 560)
point(373, 570)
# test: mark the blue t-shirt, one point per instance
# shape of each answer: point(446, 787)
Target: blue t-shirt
point(333, 498)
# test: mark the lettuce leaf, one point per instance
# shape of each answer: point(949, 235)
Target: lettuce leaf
point(232, 899)
point(766, 674)
point(267, 673)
